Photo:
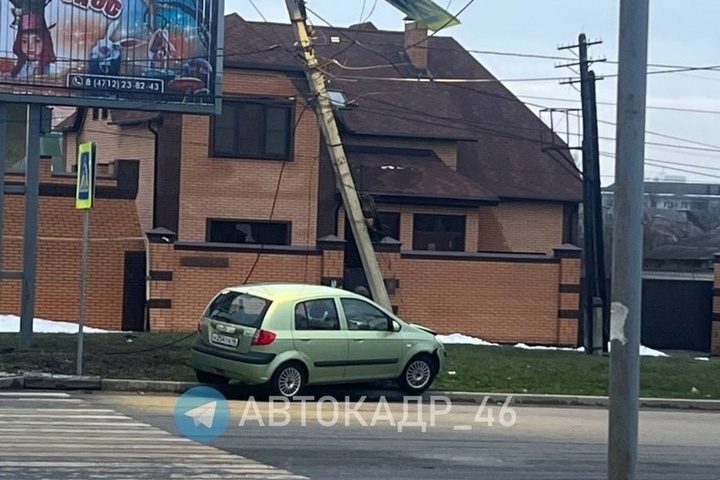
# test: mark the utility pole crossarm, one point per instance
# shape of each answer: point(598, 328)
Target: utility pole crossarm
point(343, 175)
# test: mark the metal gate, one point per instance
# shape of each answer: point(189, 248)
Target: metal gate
point(677, 314)
point(134, 292)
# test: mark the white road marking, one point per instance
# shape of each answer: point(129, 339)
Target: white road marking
point(42, 415)
point(94, 424)
point(35, 394)
point(40, 441)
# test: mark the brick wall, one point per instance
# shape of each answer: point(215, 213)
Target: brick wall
point(115, 142)
point(496, 301)
point(246, 188)
point(500, 298)
point(520, 227)
point(198, 274)
point(112, 223)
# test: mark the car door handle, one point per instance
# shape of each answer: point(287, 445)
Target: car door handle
point(304, 339)
point(360, 340)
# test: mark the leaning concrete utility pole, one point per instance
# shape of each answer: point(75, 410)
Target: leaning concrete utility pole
point(343, 175)
point(628, 242)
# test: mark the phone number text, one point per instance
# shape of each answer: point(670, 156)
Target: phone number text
point(125, 84)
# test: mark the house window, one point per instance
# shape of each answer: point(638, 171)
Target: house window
point(439, 232)
point(249, 232)
point(390, 224)
point(253, 129)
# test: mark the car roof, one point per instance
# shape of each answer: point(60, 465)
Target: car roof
point(291, 291)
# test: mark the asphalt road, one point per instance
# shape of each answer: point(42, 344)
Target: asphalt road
point(535, 443)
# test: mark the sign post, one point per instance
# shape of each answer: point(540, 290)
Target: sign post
point(84, 197)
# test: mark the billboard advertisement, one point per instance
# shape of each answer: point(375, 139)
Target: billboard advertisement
point(131, 54)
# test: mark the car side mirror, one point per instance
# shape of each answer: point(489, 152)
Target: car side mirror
point(396, 327)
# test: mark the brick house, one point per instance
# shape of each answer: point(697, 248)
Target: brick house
point(477, 221)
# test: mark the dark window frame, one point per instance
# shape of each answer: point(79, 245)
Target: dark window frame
point(287, 223)
point(461, 248)
point(230, 102)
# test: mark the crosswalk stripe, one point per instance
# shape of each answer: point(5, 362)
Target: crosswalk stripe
point(114, 440)
point(101, 432)
point(39, 399)
point(71, 410)
point(54, 435)
point(65, 415)
point(46, 395)
point(94, 424)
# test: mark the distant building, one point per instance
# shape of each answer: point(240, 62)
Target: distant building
point(679, 196)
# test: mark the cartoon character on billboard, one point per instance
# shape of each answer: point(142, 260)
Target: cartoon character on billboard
point(194, 80)
point(33, 45)
point(105, 56)
point(160, 49)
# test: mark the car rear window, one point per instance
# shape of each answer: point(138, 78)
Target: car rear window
point(238, 308)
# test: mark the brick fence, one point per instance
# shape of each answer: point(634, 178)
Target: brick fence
point(114, 230)
point(498, 297)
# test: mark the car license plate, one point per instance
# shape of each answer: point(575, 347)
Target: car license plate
point(224, 340)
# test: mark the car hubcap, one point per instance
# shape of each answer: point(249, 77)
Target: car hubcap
point(290, 381)
point(418, 374)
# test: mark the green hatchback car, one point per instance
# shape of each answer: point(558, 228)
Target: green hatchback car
point(288, 336)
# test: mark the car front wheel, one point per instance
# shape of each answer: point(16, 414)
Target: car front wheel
point(288, 380)
point(418, 375)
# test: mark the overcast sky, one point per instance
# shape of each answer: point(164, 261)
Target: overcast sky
point(681, 33)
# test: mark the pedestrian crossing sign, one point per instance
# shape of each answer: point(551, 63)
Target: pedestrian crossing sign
point(85, 193)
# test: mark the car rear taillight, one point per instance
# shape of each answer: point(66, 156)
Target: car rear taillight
point(199, 326)
point(263, 337)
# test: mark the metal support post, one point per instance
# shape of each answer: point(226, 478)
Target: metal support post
point(626, 306)
point(83, 287)
point(3, 162)
point(343, 175)
point(32, 193)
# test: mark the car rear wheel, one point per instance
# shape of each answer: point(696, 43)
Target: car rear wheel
point(288, 380)
point(418, 374)
point(211, 378)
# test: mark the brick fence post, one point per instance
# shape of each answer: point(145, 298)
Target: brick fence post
point(162, 263)
point(715, 335)
point(333, 260)
point(569, 313)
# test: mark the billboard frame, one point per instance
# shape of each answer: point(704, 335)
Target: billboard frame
point(159, 106)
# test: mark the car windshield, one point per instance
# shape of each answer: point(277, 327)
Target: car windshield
point(238, 308)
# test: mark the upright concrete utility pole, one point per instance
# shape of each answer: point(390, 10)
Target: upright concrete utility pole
point(595, 302)
point(32, 198)
point(343, 175)
point(628, 242)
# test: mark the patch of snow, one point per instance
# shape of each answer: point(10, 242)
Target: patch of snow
point(542, 347)
point(11, 324)
point(460, 339)
point(649, 352)
point(702, 359)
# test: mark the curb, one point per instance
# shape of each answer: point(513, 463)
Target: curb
point(42, 381)
point(537, 400)
point(48, 381)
